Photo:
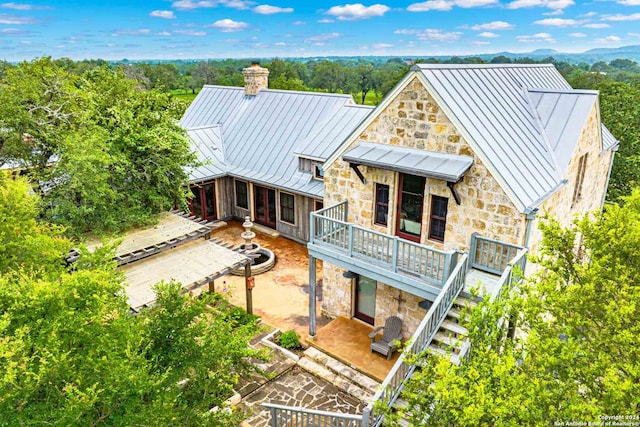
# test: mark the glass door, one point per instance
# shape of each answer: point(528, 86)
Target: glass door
point(264, 204)
point(209, 199)
point(410, 205)
point(195, 203)
point(365, 299)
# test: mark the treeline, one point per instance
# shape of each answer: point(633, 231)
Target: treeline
point(368, 80)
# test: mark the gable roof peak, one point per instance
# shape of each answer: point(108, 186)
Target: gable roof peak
point(418, 67)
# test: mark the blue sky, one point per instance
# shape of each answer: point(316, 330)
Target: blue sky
point(158, 29)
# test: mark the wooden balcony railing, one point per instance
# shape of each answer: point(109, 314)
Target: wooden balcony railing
point(490, 255)
point(288, 416)
point(329, 227)
point(422, 337)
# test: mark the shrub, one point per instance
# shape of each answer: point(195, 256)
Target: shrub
point(290, 340)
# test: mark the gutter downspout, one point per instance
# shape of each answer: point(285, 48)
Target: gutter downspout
point(529, 217)
point(606, 187)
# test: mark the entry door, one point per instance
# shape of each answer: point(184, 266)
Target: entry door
point(410, 205)
point(264, 204)
point(365, 299)
point(203, 203)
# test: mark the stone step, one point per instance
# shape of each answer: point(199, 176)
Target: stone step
point(454, 328)
point(448, 341)
point(444, 353)
point(343, 376)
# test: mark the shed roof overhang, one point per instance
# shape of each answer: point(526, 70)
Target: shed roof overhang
point(446, 167)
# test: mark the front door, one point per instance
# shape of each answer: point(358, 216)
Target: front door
point(264, 204)
point(365, 299)
point(203, 203)
point(410, 205)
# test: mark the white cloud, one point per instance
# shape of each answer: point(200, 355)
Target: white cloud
point(551, 4)
point(326, 21)
point(381, 45)
point(488, 35)
point(445, 5)
point(536, 38)
point(321, 39)
point(190, 4)
point(431, 35)
point(577, 35)
point(15, 19)
point(609, 39)
point(555, 12)
point(22, 6)
point(442, 5)
point(620, 17)
point(163, 33)
point(588, 14)
point(353, 12)
point(166, 14)
point(298, 23)
point(596, 26)
point(228, 25)
point(190, 33)
point(280, 44)
point(140, 32)
point(495, 25)
point(480, 43)
point(629, 2)
point(558, 22)
point(265, 9)
point(14, 32)
point(634, 34)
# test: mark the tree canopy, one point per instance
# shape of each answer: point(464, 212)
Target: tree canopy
point(93, 144)
point(73, 355)
point(575, 358)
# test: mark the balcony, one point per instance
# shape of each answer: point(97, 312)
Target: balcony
point(412, 267)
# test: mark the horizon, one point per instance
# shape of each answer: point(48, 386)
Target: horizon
point(240, 29)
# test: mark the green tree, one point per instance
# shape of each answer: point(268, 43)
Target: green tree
point(72, 355)
point(575, 357)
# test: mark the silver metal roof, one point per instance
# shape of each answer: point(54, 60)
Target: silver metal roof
point(447, 167)
point(608, 140)
point(259, 133)
point(563, 115)
point(324, 139)
point(207, 144)
point(493, 105)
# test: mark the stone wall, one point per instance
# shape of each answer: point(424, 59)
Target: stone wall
point(414, 120)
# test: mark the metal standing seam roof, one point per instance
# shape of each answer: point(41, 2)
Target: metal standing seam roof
point(447, 167)
point(260, 133)
point(207, 144)
point(318, 144)
point(494, 108)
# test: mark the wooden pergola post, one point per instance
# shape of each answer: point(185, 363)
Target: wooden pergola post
point(248, 284)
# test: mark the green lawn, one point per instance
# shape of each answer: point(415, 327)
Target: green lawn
point(185, 95)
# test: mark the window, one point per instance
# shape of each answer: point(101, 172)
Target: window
point(410, 200)
point(317, 205)
point(304, 165)
point(242, 195)
point(287, 208)
point(438, 218)
point(577, 191)
point(382, 204)
point(318, 173)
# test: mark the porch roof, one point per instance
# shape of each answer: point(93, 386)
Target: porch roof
point(447, 167)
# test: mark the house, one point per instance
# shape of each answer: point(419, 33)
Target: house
point(263, 149)
point(457, 161)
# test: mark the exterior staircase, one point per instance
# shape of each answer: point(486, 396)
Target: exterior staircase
point(451, 339)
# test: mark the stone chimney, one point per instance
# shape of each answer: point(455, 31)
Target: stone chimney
point(255, 78)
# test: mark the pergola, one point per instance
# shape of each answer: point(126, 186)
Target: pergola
point(177, 248)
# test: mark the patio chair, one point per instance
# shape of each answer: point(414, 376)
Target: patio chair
point(392, 332)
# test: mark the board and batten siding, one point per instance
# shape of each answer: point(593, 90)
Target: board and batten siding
point(303, 208)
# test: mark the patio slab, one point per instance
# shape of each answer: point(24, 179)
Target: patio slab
point(279, 295)
point(347, 340)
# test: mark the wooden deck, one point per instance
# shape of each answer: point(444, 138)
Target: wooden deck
point(347, 340)
point(488, 282)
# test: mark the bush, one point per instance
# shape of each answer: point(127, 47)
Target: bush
point(290, 340)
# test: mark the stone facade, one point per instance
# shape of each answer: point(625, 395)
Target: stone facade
point(413, 119)
point(255, 78)
point(594, 185)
